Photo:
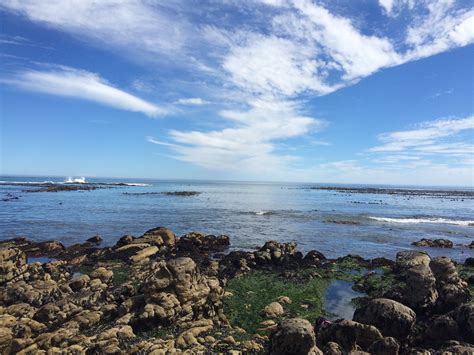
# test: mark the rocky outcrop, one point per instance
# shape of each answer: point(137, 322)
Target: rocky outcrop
point(294, 337)
point(12, 264)
point(434, 243)
point(451, 288)
point(175, 291)
point(420, 284)
point(391, 317)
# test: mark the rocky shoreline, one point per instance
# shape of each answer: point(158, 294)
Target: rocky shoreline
point(159, 294)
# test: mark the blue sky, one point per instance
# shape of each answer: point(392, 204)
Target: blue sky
point(324, 91)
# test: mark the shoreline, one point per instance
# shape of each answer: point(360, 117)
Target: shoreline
point(160, 292)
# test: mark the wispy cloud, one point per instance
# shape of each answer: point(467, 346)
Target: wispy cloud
point(80, 84)
point(261, 60)
point(428, 137)
point(196, 101)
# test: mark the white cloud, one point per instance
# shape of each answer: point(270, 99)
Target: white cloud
point(197, 101)
point(426, 137)
point(70, 82)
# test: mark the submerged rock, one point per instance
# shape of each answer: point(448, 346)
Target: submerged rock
point(434, 243)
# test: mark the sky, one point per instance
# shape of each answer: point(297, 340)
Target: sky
point(342, 91)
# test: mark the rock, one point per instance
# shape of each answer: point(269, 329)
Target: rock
point(103, 274)
point(391, 317)
point(195, 243)
point(442, 328)
point(314, 258)
point(12, 263)
point(294, 337)
point(160, 236)
point(452, 290)
point(464, 317)
point(95, 239)
point(434, 243)
point(144, 253)
point(456, 350)
point(385, 346)
point(469, 262)
point(273, 310)
point(332, 348)
point(284, 300)
point(79, 282)
point(6, 338)
point(420, 284)
point(175, 291)
point(348, 334)
point(229, 340)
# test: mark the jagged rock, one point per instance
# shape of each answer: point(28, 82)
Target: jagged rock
point(385, 346)
point(294, 337)
point(79, 282)
point(6, 338)
point(177, 288)
point(391, 317)
point(273, 252)
point(348, 334)
point(12, 263)
point(160, 236)
point(420, 291)
point(434, 243)
point(314, 258)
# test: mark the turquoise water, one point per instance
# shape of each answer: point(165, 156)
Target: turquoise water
point(332, 222)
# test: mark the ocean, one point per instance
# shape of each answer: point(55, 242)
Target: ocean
point(334, 219)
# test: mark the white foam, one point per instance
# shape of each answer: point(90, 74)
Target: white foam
point(424, 220)
point(80, 180)
point(135, 184)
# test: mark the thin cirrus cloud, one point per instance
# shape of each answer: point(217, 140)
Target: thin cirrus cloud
point(192, 101)
point(80, 84)
point(430, 137)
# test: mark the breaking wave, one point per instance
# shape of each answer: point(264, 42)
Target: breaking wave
point(434, 220)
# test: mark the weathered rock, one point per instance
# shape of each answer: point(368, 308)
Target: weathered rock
point(385, 346)
point(348, 334)
point(103, 274)
point(452, 290)
point(294, 337)
point(391, 317)
point(79, 282)
point(273, 310)
point(160, 236)
point(469, 262)
point(195, 242)
point(441, 328)
point(456, 350)
point(420, 290)
point(144, 253)
point(95, 239)
point(178, 288)
point(332, 348)
point(464, 317)
point(12, 263)
point(6, 338)
point(434, 243)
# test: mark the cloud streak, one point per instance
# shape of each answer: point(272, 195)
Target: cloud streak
point(80, 84)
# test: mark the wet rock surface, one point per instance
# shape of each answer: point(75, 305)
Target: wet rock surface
point(160, 293)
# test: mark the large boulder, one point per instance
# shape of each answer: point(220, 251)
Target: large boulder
point(294, 337)
point(348, 334)
point(196, 242)
point(452, 290)
point(420, 284)
point(12, 263)
point(391, 317)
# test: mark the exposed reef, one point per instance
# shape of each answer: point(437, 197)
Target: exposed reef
point(160, 293)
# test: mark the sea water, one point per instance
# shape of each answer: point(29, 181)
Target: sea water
point(333, 222)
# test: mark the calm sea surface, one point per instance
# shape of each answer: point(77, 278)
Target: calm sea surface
point(335, 223)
